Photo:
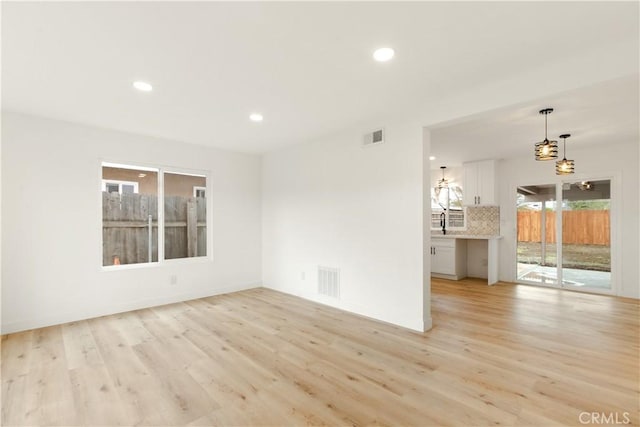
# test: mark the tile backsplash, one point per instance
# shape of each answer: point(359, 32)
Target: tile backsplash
point(481, 220)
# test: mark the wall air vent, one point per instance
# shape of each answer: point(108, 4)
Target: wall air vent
point(374, 138)
point(329, 281)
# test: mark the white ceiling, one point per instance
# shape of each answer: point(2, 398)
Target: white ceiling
point(604, 113)
point(306, 66)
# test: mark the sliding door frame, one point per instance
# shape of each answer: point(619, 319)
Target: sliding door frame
point(615, 212)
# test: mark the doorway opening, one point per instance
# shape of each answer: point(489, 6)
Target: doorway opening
point(564, 234)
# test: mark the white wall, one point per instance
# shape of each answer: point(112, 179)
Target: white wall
point(335, 203)
point(51, 222)
point(618, 161)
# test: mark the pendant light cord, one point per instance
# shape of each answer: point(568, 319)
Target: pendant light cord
point(545, 126)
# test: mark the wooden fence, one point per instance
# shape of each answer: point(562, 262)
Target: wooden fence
point(185, 227)
point(129, 219)
point(585, 227)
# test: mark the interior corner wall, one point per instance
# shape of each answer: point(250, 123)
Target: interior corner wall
point(338, 204)
point(621, 163)
point(51, 224)
point(427, 179)
point(0, 221)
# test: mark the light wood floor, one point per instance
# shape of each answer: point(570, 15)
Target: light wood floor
point(507, 355)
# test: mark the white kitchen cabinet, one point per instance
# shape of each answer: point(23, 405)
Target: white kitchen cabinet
point(448, 258)
point(480, 183)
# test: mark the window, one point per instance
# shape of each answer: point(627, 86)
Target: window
point(185, 216)
point(129, 215)
point(199, 191)
point(446, 204)
point(115, 186)
point(137, 229)
point(112, 188)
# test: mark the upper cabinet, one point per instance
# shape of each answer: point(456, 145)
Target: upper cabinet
point(480, 183)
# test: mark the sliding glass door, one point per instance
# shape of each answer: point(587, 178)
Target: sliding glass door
point(576, 231)
point(586, 234)
point(536, 249)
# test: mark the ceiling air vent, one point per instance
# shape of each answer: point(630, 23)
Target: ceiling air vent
point(373, 138)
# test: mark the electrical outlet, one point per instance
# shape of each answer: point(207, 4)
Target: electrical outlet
point(302, 275)
point(174, 279)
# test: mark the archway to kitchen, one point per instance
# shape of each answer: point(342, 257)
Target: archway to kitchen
point(500, 142)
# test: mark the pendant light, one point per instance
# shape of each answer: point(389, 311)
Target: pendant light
point(442, 184)
point(564, 166)
point(546, 150)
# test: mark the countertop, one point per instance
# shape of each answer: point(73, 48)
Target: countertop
point(464, 236)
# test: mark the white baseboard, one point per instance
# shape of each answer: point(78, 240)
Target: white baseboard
point(348, 307)
point(428, 324)
point(66, 317)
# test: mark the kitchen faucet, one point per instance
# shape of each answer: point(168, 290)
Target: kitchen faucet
point(443, 222)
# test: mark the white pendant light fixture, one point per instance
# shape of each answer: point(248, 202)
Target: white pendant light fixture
point(564, 166)
point(546, 150)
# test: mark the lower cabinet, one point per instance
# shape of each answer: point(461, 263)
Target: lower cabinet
point(448, 258)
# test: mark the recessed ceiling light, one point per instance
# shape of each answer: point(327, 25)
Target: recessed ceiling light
point(383, 54)
point(256, 117)
point(432, 157)
point(143, 86)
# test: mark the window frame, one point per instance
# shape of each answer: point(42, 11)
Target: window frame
point(160, 170)
point(197, 188)
point(188, 172)
point(437, 211)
